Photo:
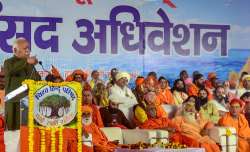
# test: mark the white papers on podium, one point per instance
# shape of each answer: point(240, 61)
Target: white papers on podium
point(16, 92)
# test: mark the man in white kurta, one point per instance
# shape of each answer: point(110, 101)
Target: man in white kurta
point(123, 94)
point(246, 86)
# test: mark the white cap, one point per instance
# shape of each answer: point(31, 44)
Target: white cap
point(120, 75)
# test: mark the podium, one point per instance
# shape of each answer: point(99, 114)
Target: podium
point(51, 117)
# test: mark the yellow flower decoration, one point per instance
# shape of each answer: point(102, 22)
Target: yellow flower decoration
point(43, 147)
point(61, 139)
point(53, 140)
point(228, 132)
point(35, 85)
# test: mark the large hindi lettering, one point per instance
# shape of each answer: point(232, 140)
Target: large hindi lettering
point(134, 35)
point(11, 31)
point(221, 33)
point(157, 35)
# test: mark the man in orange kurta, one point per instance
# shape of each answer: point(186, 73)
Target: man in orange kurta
point(198, 83)
point(237, 120)
point(154, 122)
point(193, 129)
point(87, 98)
point(99, 140)
point(152, 99)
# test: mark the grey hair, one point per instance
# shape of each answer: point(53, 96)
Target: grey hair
point(17, 42)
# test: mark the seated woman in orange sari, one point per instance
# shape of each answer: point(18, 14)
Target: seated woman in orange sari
point(193, 128)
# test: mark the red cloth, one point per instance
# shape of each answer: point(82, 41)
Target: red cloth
point(69, 140)
point(2, 145)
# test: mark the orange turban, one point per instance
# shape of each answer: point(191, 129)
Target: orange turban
point(55, 72)
point(235, 100)
point(82, 73)
point(139, 81)
point(86, 109)
point(211, 75)
point(77, 72)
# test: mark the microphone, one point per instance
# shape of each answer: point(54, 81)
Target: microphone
point(41, 64)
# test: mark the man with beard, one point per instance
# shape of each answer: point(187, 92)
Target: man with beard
point(235, 119)
point(193, 128)
point(220, 100)
point(179, 92)
point(246, 85)
point(123, 94)
point(87, 99)
point(207, 108)
point(89, 128)
point(198, 83)
point(246, 99)
point(111, 113)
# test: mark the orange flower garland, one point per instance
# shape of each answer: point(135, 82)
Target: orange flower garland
point(33, 86)
point(43, 147)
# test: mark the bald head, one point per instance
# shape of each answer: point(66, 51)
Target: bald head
point(21, 48)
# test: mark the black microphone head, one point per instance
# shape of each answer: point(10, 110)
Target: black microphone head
point(40, 62)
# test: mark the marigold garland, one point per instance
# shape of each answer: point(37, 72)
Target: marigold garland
point(228, 132)
point(43, 147)
point(53, 139)
point(61, 139)
point(79, 118)
point(30, 117)
point(32, 87)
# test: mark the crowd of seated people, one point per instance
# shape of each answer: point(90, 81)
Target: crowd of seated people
point(199, 104)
